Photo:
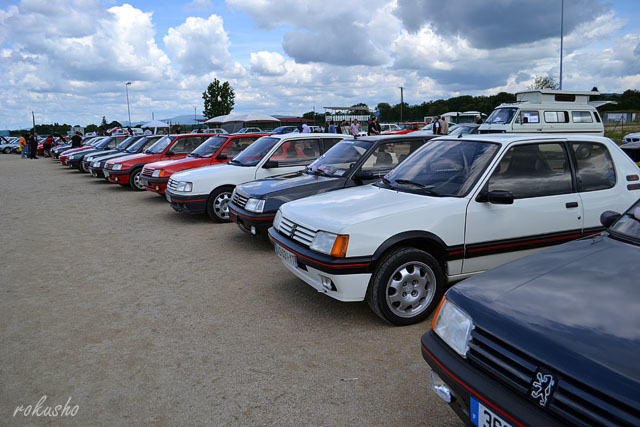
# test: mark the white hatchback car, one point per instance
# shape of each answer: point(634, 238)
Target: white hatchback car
point(454, 208)
point(208, 189)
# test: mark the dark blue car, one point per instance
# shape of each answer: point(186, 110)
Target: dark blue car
point(550, 339)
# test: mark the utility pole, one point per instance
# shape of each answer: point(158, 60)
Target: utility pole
point(33, 118)
point(195, 120)
point(126, 88)
point(561, 38)
point(401, 101)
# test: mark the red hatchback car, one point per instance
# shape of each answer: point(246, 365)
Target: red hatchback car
point(217, 149)
point(127, 170)
point(404, 128)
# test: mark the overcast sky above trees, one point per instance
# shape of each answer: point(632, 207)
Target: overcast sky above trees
point(69, 60)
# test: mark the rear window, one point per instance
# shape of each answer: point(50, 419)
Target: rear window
point(595, 167)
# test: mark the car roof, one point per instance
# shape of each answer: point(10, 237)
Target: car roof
point(309, 135)
point(508, 138)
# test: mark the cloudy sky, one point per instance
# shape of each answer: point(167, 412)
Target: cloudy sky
point(68, 60)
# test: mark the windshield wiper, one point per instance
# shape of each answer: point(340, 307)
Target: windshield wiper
point(235, 162)
point(416, 184)
point(316, 172)
point(194, 155)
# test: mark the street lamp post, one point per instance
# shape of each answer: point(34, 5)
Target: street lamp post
point(561, 37)
point(126, 88)
point(401, 100)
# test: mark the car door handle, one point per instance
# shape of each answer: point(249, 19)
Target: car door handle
point(571, 205)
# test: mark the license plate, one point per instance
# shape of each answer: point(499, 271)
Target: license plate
point(168, 197)
point(286, 256)
point(106, 174)
point(482, 416)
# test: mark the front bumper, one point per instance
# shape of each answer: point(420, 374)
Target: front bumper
point(96, 172)
point(251, 222)
point(466, 381)
point(73, 163)
point(156, 185)
point(191, 204)
point(344, 279)
point(117, 177)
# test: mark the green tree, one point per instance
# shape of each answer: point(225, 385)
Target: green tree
point(544, 82)
point(103, 123)
point(219, 99)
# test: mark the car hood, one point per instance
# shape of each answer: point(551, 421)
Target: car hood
point(180, 164)
point(337, 210)
point(286, 188)
point(576, 307)
point(135, 157)
point(207, 171)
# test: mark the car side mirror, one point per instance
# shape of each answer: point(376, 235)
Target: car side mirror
point(269, 164)
point(608, 217)
point(222, 157)
point(500, 197)
point(169, 153)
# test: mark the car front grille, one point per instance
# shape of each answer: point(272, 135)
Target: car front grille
point(571, 400)
point(296, 232)
point(239, 200)
point(147, 171)
point(172, 185)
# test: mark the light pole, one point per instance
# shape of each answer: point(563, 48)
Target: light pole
point(195, 119)
point(561, 37)
point(401, 100)
point(126, 88)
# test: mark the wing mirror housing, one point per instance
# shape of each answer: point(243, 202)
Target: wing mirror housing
point(500, 197)
point(169, 153)
point(608, 217)
point(222, 157)
point(270, 164)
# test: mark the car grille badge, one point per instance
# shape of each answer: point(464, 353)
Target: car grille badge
point(542, 388)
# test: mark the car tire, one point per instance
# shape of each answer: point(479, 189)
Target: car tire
point(6, 150)
point(406, 287)
point(82, 167)
point(218, 204)
point(134, 180)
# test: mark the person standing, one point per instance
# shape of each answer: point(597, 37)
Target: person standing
point(24, 146)
point(33, 146)
point(355, 127)
point(332, 127)
point(76, 141)
point(306, 128)
point(479, 120)
point(374, 127)
point(436, 125)
point(444, 127)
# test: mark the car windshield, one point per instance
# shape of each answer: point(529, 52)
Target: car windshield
point(141, 144)
point(124, 144)
point(402, 126)
point(252, 155)
point(502, 116)
point(628, 226)
point(339, 160)
point(209, 147)
point(103, 143)
point(442, 168)
point(284, 129)
point(462, 130)
point(160, 146)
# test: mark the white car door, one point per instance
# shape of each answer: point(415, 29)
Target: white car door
point(290, 156)
point(545, 208)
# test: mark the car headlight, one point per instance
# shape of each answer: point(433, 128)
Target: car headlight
point(330, 244)
point(117, 167)
point(156, 173)
point(255, 205)
point(454, 327)
point(184, 186)
point(277, 219)
point(94, 164)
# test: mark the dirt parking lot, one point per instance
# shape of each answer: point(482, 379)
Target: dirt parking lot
point(143, 316)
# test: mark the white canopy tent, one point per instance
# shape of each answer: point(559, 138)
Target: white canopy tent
point(155, 124)
point(244, 118)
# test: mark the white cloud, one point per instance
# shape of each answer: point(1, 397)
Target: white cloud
point(268, 63)
point(199, 45)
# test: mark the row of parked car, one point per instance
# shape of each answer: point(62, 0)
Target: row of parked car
point(397, 220)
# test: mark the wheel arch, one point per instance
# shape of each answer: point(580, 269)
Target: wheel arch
point(418, 239)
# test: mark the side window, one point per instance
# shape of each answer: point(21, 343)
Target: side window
point(556, 116)
point(186, 145)
point(529, 117)
point(297, 152)
point(533, 170)
point(581, 117)
point(329, 142)
point(597, 116)
point(388, 156)
point(594, 166)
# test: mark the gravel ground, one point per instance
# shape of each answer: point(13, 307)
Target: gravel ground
point(143, 316)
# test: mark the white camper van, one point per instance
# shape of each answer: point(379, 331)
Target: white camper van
point(548, 111)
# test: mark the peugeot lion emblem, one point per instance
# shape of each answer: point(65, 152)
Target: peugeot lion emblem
point(293, 230)
point(542, 387)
